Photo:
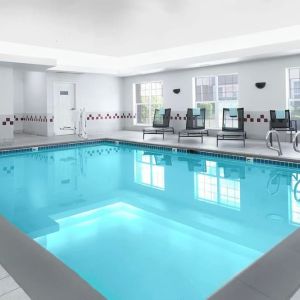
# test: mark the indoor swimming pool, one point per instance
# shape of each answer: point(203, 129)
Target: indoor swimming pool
point(142, 223)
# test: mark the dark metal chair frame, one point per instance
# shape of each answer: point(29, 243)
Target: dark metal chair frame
point(161, 124)
point(192, 130)
point(232, 133)
point(285, 124)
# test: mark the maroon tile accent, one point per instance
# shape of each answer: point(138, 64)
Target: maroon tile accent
point(259, 119)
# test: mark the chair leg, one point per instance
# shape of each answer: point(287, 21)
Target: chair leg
point(217, 141)
point(201, 139)
point(143, 135)
point(291, 136)
point(163, 135)
point(178, 137)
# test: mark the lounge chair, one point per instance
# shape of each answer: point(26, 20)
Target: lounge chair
point(161, 123)
point(195, 124)
point(280, 120)
point(232, 125)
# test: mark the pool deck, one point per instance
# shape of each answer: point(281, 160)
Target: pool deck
point(253, 147)
point(33, 273)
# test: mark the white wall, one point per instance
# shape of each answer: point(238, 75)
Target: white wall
point(35, 92)
point(107, 98)
point(98, 94)
point(6, 103)
point(254, 100)
point(6, 88)
point(18, 92)
point(18, 100)
point(35, 102)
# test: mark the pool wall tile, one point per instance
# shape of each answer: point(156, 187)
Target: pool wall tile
point(112, 142)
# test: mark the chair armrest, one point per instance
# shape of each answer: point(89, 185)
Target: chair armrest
point(294, 124)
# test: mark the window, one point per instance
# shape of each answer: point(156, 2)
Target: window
point(147, 172)
point(215, 93)
point(147, 97)
point(293, 101)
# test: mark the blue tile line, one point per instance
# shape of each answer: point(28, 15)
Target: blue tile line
point(148, 146)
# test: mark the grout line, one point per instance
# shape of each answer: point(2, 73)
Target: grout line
point(6, 293)
point(251, 287)
point(7, 275)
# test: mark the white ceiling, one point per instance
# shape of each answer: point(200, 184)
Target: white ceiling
point(122, 34)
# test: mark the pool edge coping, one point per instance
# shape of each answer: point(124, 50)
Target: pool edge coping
point(258, 158)
point(37, 271)
point(244, 281)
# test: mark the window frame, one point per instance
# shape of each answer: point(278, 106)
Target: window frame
point(216, 101)
point(135, 104)
point(289, 91)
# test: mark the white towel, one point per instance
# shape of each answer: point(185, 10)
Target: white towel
point(162, 111)
point(280, 114)
point(233, 112)
point(196, 111)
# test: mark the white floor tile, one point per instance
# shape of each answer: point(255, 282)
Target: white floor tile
point(17, 294)
point(3, 272)
point(7, 284)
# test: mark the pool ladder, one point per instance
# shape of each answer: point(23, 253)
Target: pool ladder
point(269, 141)
point(295, 142)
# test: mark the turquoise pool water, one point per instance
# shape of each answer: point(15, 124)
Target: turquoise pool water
point(138, 223)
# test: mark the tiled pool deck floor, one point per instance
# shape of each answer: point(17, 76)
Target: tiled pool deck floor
point(253, 147)
point(9, 289)
point(275, 276)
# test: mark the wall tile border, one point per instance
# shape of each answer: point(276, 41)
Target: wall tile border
point(31, 117)
point(6, 120)
point(97, 116)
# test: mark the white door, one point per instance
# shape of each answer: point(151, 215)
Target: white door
point(64, 108)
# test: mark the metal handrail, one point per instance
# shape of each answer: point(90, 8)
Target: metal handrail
point(295, 142)
point(268, 143)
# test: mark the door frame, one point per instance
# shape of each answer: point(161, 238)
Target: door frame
point(56, 84)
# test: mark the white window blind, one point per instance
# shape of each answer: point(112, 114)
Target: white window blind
point(293, 88)
point(215, 93)
point(148, 97)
